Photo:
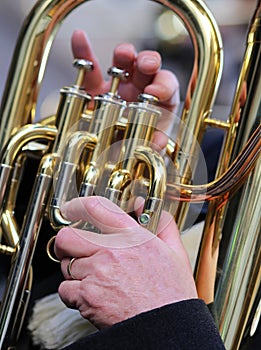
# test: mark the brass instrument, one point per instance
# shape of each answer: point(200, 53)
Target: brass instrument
point(66, 152)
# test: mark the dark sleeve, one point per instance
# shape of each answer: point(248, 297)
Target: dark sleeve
point(187, 325)
point(213, 311)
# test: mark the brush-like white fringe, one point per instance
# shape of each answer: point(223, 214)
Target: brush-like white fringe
point(54, 326)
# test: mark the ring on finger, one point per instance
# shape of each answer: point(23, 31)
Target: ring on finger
point(69, 267)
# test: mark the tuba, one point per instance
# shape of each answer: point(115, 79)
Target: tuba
point(70, 146)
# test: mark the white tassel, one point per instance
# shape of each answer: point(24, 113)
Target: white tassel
point(191, 240)
point(54, 326)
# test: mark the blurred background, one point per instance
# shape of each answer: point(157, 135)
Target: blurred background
point(142, 22)
point(145, 24)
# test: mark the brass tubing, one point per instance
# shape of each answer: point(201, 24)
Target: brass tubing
point(240, 226)
point(108, 110)
point(19, 105)
point(66, 177)
point(25, 135)
point(39, 30)
point(141, 123)
point(22, 259)
point(227, 182)
point(28, 65)
point(201, 92)
point(205, 78)
point(239, 285)
point(157, 186)
point(12, 300)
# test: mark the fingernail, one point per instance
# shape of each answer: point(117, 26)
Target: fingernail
point(149, 60)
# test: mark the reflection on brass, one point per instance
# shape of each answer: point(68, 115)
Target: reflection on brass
point(109, 151)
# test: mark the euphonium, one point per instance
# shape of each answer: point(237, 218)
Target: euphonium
point(66, 153)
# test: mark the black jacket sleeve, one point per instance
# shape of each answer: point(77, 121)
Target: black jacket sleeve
point(186, 325)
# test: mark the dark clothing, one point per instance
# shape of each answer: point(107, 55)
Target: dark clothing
point(186, 325)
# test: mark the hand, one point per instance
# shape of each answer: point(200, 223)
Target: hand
point(124, 271)
point(144, 69)
point(145, 75)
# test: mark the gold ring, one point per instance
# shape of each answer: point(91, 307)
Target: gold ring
point(48, 249)
point(69, 266)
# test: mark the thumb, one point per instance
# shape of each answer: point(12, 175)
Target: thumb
point(168, 230)
point(169, 233)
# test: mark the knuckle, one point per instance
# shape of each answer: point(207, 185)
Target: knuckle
point(60, 237)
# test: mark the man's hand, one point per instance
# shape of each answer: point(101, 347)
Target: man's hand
point(144, 68)
point(124, 271)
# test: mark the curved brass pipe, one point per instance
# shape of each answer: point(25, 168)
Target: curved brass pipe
point(17, 292)
point(153, 205)
point(27, 68)
point(237, 294)
point(14, 147)
point(36, 38)
point(227, 183)
point(67, 172)
point(19, 105)
point(27, 134)
point(35, 41)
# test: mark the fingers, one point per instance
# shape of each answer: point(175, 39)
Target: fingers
point(146, 75)
point(144, 68)
point(71, 242)
point(69, 292)
point(141, 67)
point(104, 215)
point(147, 65)
point(81, 48)
point(140, 74)
point(166, 87)
point(124, 56)
point(100, 212)
point(75, 268)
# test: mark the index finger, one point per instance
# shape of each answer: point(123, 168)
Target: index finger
point(70, 241)
point(100, 212)
point(81, 48)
